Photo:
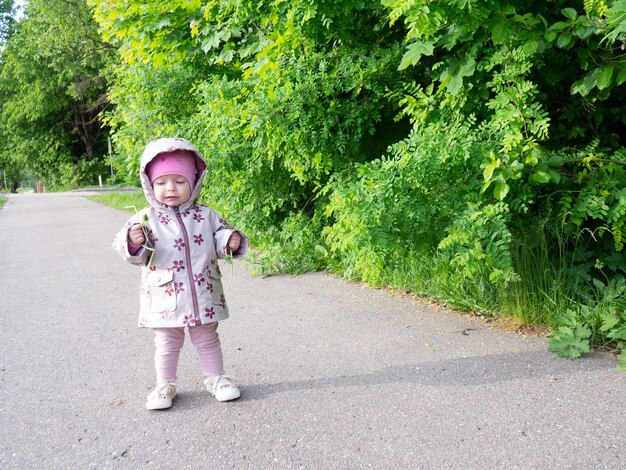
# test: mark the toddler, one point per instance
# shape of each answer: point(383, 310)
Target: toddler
point(177, 243)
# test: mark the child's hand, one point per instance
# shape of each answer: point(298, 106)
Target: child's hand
point(135, 235)
point(234, 242)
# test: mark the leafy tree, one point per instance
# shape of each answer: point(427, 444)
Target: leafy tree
point(7, 19)
point(283, 96)
point(53, 93)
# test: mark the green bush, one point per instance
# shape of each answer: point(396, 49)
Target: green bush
point(468, 151)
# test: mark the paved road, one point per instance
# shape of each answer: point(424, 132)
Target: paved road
point(333, 375)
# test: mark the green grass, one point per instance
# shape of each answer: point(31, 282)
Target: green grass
point(2, 201)
point(429, 275)
point(550, 284)
point(122, 200)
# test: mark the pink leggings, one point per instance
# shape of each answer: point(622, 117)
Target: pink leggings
point(169, 341)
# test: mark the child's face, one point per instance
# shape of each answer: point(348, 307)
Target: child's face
point(172, 190)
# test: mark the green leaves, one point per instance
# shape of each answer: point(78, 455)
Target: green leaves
point(571, 339)
point(452, 77)
point(600, 78)
point(602, 322)
point(500, 190)
point(569, 342)
point(154, 32)
point(541, 177)
point(604, 76)
point(500, 32)
point(414, 53)
point(569, 13)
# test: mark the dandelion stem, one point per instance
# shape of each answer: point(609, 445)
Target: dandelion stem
point(229, 259)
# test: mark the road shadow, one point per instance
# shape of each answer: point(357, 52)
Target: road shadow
point(460, 372)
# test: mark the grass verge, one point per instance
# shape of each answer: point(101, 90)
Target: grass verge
point(121, 200)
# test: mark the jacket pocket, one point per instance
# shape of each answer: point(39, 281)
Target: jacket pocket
point(162, 292)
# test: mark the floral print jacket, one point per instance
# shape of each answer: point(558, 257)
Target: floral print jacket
point(181, 281)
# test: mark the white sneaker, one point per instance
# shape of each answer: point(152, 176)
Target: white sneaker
point(161, 397)
point(222, 387)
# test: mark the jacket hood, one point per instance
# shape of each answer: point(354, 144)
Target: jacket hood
point(169, 145)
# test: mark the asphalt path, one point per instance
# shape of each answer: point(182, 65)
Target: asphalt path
point(334, 375)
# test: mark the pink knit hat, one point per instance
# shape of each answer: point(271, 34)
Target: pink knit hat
point(177, 162)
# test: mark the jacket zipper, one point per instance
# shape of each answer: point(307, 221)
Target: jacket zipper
point(194, 295)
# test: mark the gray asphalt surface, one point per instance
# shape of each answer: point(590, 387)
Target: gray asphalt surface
point(333, 375)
